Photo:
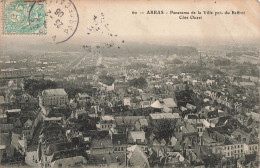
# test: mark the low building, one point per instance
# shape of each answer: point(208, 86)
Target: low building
point(155, 117)
point(106, 122)
point(136, 157)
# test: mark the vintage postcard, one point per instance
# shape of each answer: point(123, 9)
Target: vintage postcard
point(129, 83)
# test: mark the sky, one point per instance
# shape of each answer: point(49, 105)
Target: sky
point(166, 29)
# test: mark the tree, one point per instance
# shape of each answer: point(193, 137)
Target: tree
point(212, 160)
point(33, 86)
point(138, 83)
point(148, 131)
point(164, 129)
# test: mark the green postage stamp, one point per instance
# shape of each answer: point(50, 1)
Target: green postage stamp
point(20, 17)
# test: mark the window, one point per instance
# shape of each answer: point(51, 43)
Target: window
point(138, 140)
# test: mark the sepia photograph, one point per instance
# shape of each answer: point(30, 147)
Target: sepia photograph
point(129, 83)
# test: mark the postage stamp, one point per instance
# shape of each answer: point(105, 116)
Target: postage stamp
point(20, 17)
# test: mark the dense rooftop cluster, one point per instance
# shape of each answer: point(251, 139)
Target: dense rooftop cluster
point(171, 112)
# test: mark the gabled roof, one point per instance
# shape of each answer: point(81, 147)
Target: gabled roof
point(163, 142)
point(28, 123)
point(143, 122)
point(136, 157)
point(137, 134)
point(240, 132)
point(156, 143)
point(157, 104)
point(169, 102)
point(249, 158)
point(190, 106)
point(167, 109)
point(188, 129)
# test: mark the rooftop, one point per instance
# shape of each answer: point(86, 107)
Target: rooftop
point(13, 111)
point(137, 135)
point(157, 116)
point(54, 92)
point(169, 102)
point(2, 100)
point(107, 118)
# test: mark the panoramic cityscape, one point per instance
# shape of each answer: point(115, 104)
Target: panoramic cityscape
point(135, 105)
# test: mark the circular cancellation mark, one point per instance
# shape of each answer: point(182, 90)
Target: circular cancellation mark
point(62, 20)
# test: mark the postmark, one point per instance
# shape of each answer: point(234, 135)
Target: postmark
point(62, 20)
point(20, 17)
